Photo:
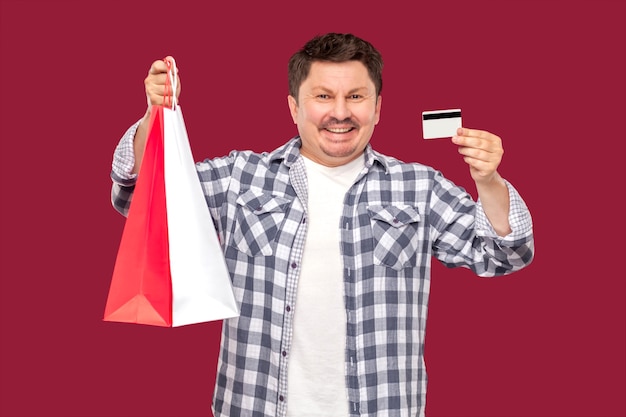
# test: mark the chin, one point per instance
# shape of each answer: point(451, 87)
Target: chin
point(342, 152)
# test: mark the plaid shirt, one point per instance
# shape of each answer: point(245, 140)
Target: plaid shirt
point(396, 217)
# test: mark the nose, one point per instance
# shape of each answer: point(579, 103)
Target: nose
point(341, 109)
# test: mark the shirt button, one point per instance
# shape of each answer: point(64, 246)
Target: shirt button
point(288, 308)
point(280, 397)
point(395, 220)
point(284, 353)
point(294, 265)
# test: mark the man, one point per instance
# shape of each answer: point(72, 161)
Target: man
point(329, 244)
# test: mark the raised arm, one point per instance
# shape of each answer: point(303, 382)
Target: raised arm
point(129, 152)
point(483, 151)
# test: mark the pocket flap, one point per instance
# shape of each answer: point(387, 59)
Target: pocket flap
point(396, 216)
point(259, 202)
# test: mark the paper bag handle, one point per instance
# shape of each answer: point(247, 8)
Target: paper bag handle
point(171, 84)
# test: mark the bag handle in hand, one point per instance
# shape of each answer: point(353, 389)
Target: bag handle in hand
point(171, 84)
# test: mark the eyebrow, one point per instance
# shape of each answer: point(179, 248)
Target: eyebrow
point(327, 90)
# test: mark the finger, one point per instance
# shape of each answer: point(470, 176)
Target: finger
point(489, 142)
point(158, 67)
point(481, 155)
point(483, 136)
point(156, 79)
point(481, 168)
point(160, 100)
point(477, 154)
point(464, 131)
point(468, 141)
point(155, 85)
point(157, 93)
point(477, 143)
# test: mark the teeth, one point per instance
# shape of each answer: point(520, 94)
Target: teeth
point(337, 130)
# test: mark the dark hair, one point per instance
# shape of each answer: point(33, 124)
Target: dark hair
point(334, 47)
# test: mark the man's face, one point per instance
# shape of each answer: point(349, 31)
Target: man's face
point(336, 112)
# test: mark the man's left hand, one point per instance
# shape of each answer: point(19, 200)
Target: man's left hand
point(481, 150)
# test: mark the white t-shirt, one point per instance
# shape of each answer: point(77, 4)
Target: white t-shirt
point(316, 381)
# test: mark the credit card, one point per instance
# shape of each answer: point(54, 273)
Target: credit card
point(440, 123)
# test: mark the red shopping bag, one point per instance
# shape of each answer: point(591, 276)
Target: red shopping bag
point(170, 270)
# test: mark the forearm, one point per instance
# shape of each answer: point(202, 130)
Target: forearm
point(494, 198)
point(463, 235)
point(139, 141)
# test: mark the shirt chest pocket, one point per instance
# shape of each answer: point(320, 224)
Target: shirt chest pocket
point(258, 219)
point(395, 233)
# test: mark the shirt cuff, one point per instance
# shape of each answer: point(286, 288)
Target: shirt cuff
point(519, 217)
point(124, 159)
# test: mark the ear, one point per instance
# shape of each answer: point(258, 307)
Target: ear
point(378, 105)
point(293, 108)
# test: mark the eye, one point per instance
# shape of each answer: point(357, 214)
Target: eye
point(355, 97)
point(323, 96)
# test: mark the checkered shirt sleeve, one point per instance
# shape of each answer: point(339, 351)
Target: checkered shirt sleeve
point(121, 171)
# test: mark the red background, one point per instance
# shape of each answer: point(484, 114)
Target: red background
point(547, 76)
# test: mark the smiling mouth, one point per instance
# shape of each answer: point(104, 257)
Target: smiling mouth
point(339, 129)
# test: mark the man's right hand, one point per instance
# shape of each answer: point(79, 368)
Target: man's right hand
point(155, 84)
point(156, 94)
